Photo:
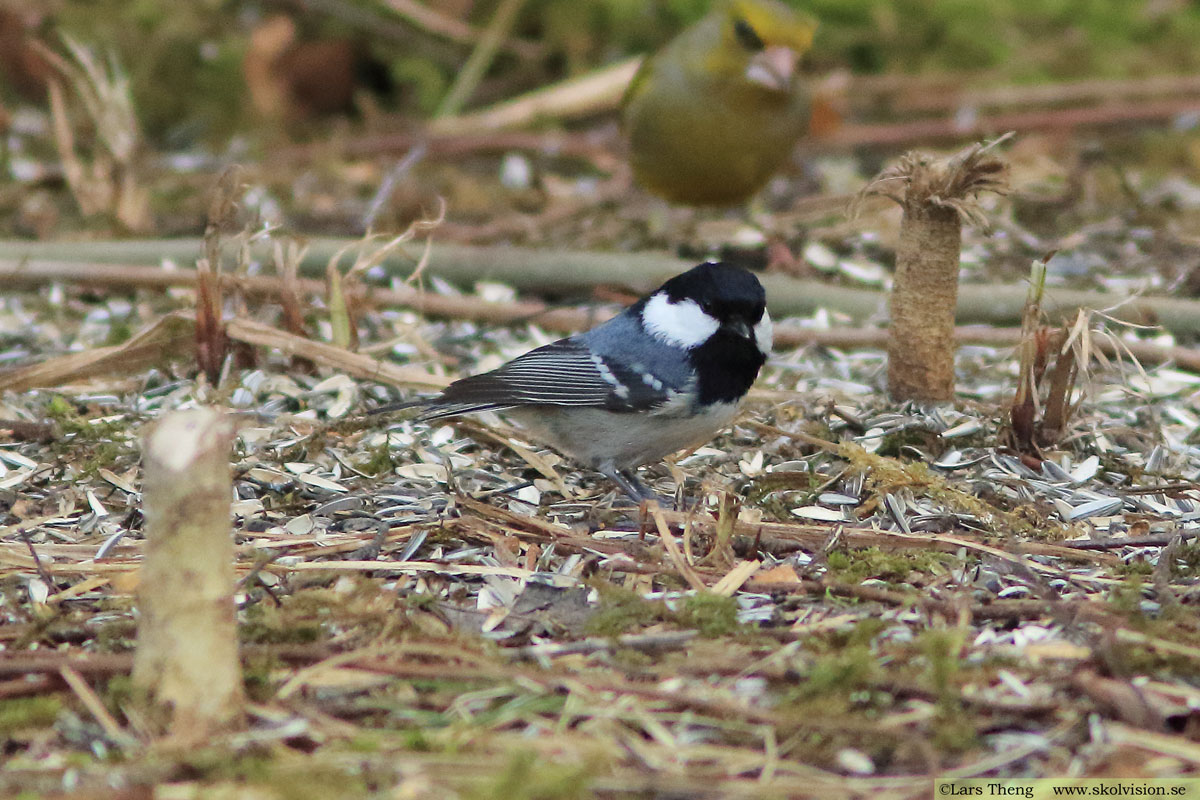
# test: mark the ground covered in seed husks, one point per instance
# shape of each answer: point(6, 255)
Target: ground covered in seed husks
point(862, 597)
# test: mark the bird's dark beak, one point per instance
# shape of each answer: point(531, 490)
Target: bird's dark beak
point(740, 328)
point(773, 68)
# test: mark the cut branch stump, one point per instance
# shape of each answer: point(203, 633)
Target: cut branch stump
point(187, 657)
point(937, 196)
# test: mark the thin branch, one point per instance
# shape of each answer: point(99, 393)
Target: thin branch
point(565, 271)
point(569, 320)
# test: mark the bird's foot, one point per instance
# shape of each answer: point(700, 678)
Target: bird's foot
point(638, 492)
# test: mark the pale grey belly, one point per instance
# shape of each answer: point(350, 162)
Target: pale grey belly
point(604, 439)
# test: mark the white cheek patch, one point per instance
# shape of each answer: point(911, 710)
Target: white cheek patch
point(764, 333)
point(683, 324)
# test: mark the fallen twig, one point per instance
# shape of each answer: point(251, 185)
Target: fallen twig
point(594, 92)
point(563, 271)
point(952, 128)
point(642, 641)
point(1117, 542)
point(173, 337)
point(570, 320)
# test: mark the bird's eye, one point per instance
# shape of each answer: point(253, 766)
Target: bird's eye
point(746, 35)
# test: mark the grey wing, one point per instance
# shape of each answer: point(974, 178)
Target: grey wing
point(563, 373)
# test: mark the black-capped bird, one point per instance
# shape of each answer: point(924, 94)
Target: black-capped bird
point(665, 374)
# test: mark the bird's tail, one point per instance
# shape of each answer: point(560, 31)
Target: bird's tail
point(435, 408)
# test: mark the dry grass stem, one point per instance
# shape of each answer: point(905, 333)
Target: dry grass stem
point(109, 184)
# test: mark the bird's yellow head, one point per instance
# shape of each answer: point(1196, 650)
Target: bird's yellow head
point(763, 40)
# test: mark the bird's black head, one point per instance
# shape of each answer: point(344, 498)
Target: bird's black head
point(718, 313)
point(726, 293)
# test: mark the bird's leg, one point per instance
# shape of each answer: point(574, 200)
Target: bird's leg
point(627, 481)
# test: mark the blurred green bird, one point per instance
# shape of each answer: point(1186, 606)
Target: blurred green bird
point(716, 112)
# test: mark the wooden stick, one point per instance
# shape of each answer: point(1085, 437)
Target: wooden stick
point(1105, 90)
point(952, 128)
point(560, 272)
point(94, 705)
point(173, 336)
point(356, 364)
point(592, 93)
point(570, 320)
point(187, 657)
point(1118, 542)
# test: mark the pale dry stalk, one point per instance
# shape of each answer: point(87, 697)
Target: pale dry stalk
point(109, 183)
point(187, 654)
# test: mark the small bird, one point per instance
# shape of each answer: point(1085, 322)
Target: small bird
point(666, 373)
point(713, 115)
